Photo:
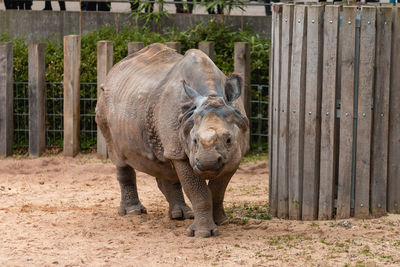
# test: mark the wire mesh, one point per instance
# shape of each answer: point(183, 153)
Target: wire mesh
point(259, 117)
point(88, 127)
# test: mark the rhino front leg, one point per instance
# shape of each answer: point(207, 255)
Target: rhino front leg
point(218, 188)
point(130, 203)
point(200, 196)
point(172, 191)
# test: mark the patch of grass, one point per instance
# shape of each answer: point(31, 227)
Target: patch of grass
point(254, 156)
point(366, 250)
point(397, 243)
point(314, 224)
point(239, 214)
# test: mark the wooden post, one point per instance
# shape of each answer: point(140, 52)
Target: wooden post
point(364, 114)
point(270, 109)
point(380, 133)
point(286, 53)
point(328, 114)
point(72, 60)
point(104, 64)
point(312, 122)
point(394, 125)
point(242, 67)
point(276, 24)
point(208, 49)
point(174, 45)
point(6, 99)
point(296, 114)
point(346, 111)
point(134, 47)
point(37, 96)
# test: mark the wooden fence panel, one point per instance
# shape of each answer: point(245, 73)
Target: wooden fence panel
point(104, 64)
point(6, 99)
point(208, 48)
point(283, 194)
point(296, 114)
point(346, 111)
point(134, 47)
point(380, 134)
point(328, 114)
point(72, 62)
point(364, 114)
point(37, 94)
point(275, 142)
point(312, 122)
point(394, 125)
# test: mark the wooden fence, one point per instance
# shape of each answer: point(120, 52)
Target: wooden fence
point(335, 112)
point(71, 84)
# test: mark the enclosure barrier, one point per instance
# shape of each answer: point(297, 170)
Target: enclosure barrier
point(71, 91)
point(335, 112)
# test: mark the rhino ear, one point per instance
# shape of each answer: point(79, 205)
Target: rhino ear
point(233, 87)
point(192, 94)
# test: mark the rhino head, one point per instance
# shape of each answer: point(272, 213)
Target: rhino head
point(213, 130)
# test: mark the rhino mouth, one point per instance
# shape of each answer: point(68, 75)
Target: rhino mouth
point(209, 169)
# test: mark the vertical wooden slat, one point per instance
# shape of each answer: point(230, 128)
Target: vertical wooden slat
point(242, 67)
point(364, 114)
point(275, 142)
point(72, 58)
point(312, 122)
point(296, 111)
point(380, 134)
point(6, 99)
point(270, 105)
point(174, 45)
point(346, 112)
point(133, 47)
point(37, 94)
point(208, 48)
point(328, 114)
point(104, 64)
point(394, 124)
point(286, 52)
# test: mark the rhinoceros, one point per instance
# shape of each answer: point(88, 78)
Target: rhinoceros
point(177, 118)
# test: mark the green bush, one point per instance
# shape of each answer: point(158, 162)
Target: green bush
point(224, 37)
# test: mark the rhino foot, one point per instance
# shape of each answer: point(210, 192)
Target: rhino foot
point(132, 210)
point(202, 227)
point(181, 212)
point(220, 217)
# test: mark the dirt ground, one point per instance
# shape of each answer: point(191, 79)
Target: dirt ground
point(63, 211)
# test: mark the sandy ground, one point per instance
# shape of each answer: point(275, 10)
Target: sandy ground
point(62, 211)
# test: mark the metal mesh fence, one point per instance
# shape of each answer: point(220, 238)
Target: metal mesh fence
point(54, 115)
point(259, 117)
point(88, 127)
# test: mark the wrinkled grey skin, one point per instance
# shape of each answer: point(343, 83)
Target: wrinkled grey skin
point(178, 119)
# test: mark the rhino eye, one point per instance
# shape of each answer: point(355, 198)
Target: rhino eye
point(195, 141)
point(228, 140)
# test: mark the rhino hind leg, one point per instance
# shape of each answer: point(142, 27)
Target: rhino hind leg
point(172, 191)
point(130, 203)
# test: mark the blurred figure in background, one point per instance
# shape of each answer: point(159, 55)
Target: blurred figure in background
point(211, 10)
point(47, 5)
point(95, 6)
point(181, 9)
point(135, 6)
point(268, 7)
point(21, 4)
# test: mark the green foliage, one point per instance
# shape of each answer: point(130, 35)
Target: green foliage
point(224, 37)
